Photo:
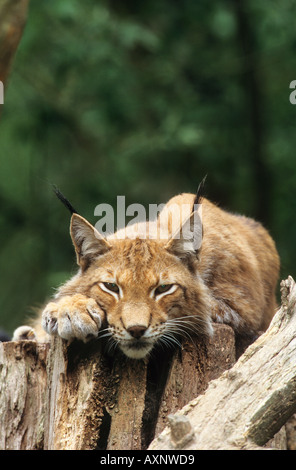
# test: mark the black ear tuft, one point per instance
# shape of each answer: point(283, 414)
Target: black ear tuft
point(199, 193)
point(64, 200)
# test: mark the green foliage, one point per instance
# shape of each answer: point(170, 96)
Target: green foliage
point(142, 99)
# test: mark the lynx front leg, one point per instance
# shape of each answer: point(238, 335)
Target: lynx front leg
point(72, 317)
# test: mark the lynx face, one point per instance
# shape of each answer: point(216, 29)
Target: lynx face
point(148, 296)
point(145, 291)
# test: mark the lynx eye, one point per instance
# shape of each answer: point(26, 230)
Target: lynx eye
point(111, 286)
point(163, 288)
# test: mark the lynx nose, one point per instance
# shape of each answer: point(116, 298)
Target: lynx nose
point(137, 331)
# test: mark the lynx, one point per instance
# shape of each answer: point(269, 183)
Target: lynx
point(138, 291)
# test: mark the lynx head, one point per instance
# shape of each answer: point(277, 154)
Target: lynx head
point(148, 288)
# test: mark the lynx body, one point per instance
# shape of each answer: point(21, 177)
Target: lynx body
point(139, 291)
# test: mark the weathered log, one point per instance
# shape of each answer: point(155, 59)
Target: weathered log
point(248, 404)
point(98, 402)
point(88, 400)
point(22, 394)
point(77, 397)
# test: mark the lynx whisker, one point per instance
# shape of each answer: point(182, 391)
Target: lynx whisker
point(169, 340)
point(111, 345)
point(179, 332)
point(106, 332)
point(185, 325)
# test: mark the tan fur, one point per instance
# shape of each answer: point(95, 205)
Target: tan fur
point(231, 279)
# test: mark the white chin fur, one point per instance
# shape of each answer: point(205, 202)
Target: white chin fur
point(134, 353)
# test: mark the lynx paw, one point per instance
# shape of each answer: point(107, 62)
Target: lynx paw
point(24, 333)
point(72, 317)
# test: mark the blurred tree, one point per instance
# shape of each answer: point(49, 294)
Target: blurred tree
point(12, 20)
point(253, 82)
point(142, 99)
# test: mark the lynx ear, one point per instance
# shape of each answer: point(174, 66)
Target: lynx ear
point(88, 242)
point(187, 240)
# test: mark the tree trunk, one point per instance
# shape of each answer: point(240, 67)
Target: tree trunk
point(13, 15)
point(76, 397)
point(252, 81)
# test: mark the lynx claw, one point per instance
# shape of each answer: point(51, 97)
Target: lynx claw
point(73, 317)
point(24, 333)
point(49, 318)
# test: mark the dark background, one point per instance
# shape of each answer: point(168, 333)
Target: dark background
point(142, 99)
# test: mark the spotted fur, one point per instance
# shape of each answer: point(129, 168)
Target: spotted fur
point(148, 291)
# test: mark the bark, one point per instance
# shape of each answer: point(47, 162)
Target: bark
point(100, 402)
point(22, 392)
point(247, 405)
